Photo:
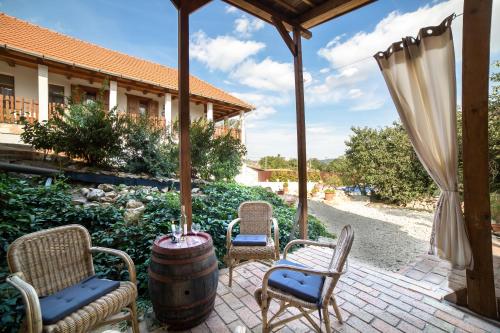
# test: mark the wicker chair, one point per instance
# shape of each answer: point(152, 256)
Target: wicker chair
point(288, 270)
point(255, 218)
point(45, 262)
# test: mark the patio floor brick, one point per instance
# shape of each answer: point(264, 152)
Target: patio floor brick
point(370, 300)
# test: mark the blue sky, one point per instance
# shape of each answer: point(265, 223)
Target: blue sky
point(247, 57)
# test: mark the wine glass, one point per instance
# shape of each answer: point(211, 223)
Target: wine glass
point(177, 234)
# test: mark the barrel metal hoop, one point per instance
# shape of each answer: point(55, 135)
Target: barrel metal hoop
point(195, 275)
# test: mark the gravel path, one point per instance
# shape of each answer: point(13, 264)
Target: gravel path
point(386, 237)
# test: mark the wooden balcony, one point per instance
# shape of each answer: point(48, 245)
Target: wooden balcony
point(14, 108)
point(224, 130)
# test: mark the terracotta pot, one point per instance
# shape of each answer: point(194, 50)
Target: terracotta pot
point(495, 227)
point(329, 196)
point(280, 192)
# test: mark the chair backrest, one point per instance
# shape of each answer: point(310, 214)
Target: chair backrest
point(255, 218)
point(339, 258)
point(52, 259)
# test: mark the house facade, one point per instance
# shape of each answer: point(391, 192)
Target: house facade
point(40, 69)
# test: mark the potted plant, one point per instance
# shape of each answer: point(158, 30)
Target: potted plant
point(314, 191)
point(329, 194)
point(285, 187)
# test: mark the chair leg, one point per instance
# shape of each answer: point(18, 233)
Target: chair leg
point(134, 317)
point(326, 318)
point(264, 308)
point(337, 310)
point(231, 275)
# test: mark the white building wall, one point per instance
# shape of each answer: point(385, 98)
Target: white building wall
point(196, 110)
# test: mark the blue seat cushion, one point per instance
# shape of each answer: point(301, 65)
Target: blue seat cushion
point(250, 240)
point(66, 301)
point(302, 285)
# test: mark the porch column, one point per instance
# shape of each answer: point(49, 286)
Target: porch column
point(184, 118)
point(301, 132)
point(475, 79)
point(113, 94)
point(242, 127)
point(168, 111)
point(210, 111)
point(43, 92)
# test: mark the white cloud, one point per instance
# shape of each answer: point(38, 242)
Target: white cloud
point(324, 70)
point(259, 99)
point(231, 9)
point(267, 75)
point(260, 113)
point(368, 104)
point(354, 93)
point(222, 52)
point(245, 26)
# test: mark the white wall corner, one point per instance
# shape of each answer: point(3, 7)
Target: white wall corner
point(43, 92)
point(113, 94)
point(210, 111)
point(168, 110)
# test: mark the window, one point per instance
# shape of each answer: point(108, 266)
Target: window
point(90, 97)
point(56, 94)
point(143, 108)
point(6, 85)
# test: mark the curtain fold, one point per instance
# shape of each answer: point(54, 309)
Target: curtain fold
point(420, 75)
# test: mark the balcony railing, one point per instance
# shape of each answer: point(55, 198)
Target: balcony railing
point(224, 130)
point(155, 121)
point(13, 109)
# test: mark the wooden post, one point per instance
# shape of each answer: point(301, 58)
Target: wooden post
point(475, 79)
point(184, 118)
point(301, 132)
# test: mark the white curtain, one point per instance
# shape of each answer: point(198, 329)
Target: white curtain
point(420, 75)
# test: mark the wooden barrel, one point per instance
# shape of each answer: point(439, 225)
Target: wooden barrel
point(183, 280)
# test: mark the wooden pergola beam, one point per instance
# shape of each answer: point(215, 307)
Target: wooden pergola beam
point(475, 79)
point(184, 116)
point(266, 13)
point(301, 133)
point(329, 10)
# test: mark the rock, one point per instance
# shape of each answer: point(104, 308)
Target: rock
point(195, 190)
point(91, 204)
point(149, 198)
point(164, 190)
point(84, 191)
point(133, 215)
point(154, 189)
point(111, 194)
point(78, 200)
point(94, 194)
point(107, 199)
point(134, 204)
point(106, 187)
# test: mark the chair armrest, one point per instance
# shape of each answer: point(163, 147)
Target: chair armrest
point(305, 270)
point(31, 302)
point(306, 242)
point(230, 232)
point(123, 256)
point(276, 233)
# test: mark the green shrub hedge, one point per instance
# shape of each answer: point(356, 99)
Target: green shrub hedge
point(27, 206)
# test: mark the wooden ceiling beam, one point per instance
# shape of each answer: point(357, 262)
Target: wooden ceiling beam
point(329, 10)
point(266, 13)
point(285, 4)
point(194, 5)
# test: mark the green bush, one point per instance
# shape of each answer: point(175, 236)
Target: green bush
point(27, 206)
point(212, 158)
point(147, 149)
point(83, 130)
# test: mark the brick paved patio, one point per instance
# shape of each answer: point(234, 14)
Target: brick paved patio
point(371, 300)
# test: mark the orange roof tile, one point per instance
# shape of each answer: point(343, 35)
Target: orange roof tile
point(28, 37)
